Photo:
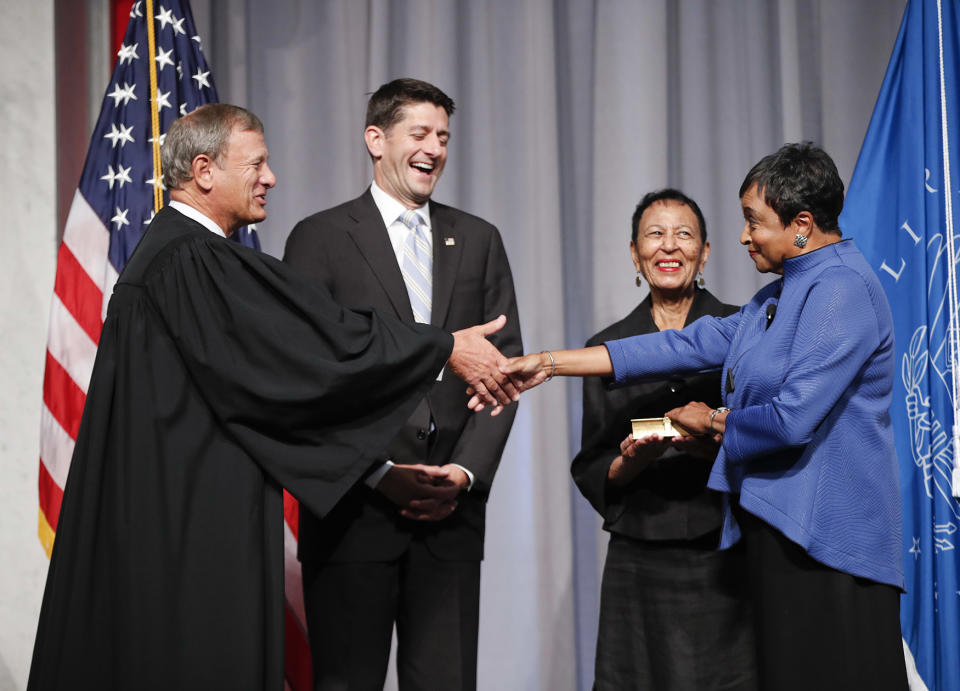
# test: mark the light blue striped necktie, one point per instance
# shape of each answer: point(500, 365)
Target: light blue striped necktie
point(417, 265)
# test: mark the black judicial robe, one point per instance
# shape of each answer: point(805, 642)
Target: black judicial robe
point(221, 377)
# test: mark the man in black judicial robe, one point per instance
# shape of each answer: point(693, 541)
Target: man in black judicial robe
point(221, 377)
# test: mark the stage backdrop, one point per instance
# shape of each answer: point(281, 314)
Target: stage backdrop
point(567, 112)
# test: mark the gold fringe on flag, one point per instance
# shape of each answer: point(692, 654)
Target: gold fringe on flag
point(46, 534)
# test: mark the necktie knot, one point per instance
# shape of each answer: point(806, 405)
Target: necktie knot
point(411, 219)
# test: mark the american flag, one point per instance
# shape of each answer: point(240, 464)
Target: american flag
point(111, 209)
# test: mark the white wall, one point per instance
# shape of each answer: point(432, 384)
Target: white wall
point(27, 259)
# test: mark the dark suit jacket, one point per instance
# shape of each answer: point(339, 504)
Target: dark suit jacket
point(669, 500)
point(347, 248)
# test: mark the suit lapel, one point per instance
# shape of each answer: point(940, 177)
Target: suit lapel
point(370, 235)
point(447, 250)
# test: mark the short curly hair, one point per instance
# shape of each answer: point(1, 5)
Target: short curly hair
point(799, 177)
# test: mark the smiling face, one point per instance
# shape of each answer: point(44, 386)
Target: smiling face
point(241, 180)
point(765, 237)
point(408, 158)
point(669, 251)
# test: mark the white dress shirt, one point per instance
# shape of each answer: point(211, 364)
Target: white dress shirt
point(391, 210)
point(200, 218)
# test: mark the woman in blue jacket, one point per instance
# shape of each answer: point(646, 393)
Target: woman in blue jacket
point(807, 463)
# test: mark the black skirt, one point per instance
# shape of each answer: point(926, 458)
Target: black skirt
point(816, 627)
point(674, 616)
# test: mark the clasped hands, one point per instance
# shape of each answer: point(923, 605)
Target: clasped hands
point(423, 492)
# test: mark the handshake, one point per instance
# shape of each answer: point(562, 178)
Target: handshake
point(484, 368)
point(496, 380)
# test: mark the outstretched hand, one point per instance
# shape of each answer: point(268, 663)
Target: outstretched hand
point(528, 370)
point(477, 361)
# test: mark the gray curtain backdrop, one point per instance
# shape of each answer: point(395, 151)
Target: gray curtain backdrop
point(568, 112)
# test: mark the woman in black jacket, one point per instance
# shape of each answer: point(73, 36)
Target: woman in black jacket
point(672, 615)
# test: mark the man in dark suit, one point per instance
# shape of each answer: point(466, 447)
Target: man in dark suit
point(396, 551)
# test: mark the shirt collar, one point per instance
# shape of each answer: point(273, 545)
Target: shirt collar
point(390, 209)
point(200, 218)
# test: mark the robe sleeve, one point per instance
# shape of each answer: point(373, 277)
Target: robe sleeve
point(305, 387)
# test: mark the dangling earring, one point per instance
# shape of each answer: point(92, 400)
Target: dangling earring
point(701, 284)
point(800, 240)
point(638, 280)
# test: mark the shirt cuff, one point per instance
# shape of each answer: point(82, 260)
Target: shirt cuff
point(469, 476)
point(373, 479)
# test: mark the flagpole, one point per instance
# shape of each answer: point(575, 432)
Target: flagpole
point(154, 109)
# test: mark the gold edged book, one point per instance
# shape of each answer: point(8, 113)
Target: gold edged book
point(645, 426)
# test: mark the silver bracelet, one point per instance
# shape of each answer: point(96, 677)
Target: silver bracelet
point(721, 409)
point(553, 364)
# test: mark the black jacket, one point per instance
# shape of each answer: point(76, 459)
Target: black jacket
point(669, 500)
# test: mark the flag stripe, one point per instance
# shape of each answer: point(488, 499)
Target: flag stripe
point(78, 293)
point(51, 496)
point(63, 398)
point(293, 577)
point(56, 447)
point(291, 512)
point(87, 237)
point(70, 345)
point(110, 277)
point(299, 670)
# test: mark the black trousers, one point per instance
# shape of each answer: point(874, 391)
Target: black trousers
point(819, 628)
point(351, 609)
point(674, 616)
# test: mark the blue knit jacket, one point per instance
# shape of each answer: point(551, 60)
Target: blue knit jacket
point(809, 443)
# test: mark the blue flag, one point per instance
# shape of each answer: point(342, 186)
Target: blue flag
point(898, 210)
